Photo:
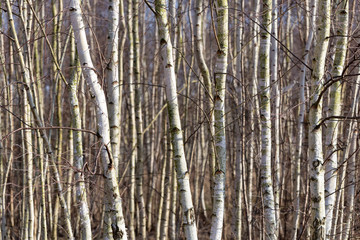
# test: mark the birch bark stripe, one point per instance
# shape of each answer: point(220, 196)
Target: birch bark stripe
point(186, 203)
point(335, 110)
point(317, 223)
point(220, 71)
point(81, 195)
point(113, 202)
point(301, 134)
point(265, 112)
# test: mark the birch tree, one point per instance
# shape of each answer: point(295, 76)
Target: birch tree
point(317, 185)
point(335, 110)
point(189, 223)
point(265, 112)
point(219, 121)
point(301, 130)
point(113, 202)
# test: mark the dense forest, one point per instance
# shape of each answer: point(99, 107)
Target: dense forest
point(179, 119)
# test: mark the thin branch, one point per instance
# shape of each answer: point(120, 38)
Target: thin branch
point(344, 118)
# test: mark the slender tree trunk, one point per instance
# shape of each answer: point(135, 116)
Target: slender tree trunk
point(301, 132)
point(220, 73)
point(29, 174)
point(186, 203)
point(139, 123)
point(81, 194)
point(112, 78)
point(350, 190)
point(317, 170)
point(113, 202)
point(132, 120)
point(277, 99)
point(253, 109)
point(335, 110)
point(240, 134)
point(205, 74)
point(265, 116)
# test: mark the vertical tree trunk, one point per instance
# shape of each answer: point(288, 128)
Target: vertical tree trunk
point(29, 173)
point(205, 74)
point(335, 110)
point(301, 132)
point(265, 117)
point(139, 123)
point(189, 222)
point(81, 194)
point(253, 109)
point(317, 170)
point(132, 120)
point(220, 73)
point(277, 99)
point(112, 78)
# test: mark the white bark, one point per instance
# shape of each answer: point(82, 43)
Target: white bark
point(220, 72)
point(301, 133)
point(113, 202)
point(81, 195)
point(205, 74)
point(317, 184)
point(189, 223)
point(132, 124)
point(253, 106)
point(265, 117)
point(112, 78)
point(139, 124)
point(351, 180)
point(240, 134)
point(276, 97)
point(335, 110)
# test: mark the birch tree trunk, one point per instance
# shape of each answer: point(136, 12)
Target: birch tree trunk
point(29, 174)
point(350, 157)
point(241, 129)
point(81, 195)
point(253, 108)
point(186, 203)
point(112, 78)
point(301, 133)
point(139, 124)
point(220, 73)
point(205, 74)
point(265, 117)
point(335, 110)
point(276, 98)
point(317, 223)
point(132, 121)
point(113, 202)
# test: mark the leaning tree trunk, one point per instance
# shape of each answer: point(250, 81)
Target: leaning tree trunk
point(317, 184)
point(189, 222)
point(113, 202)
